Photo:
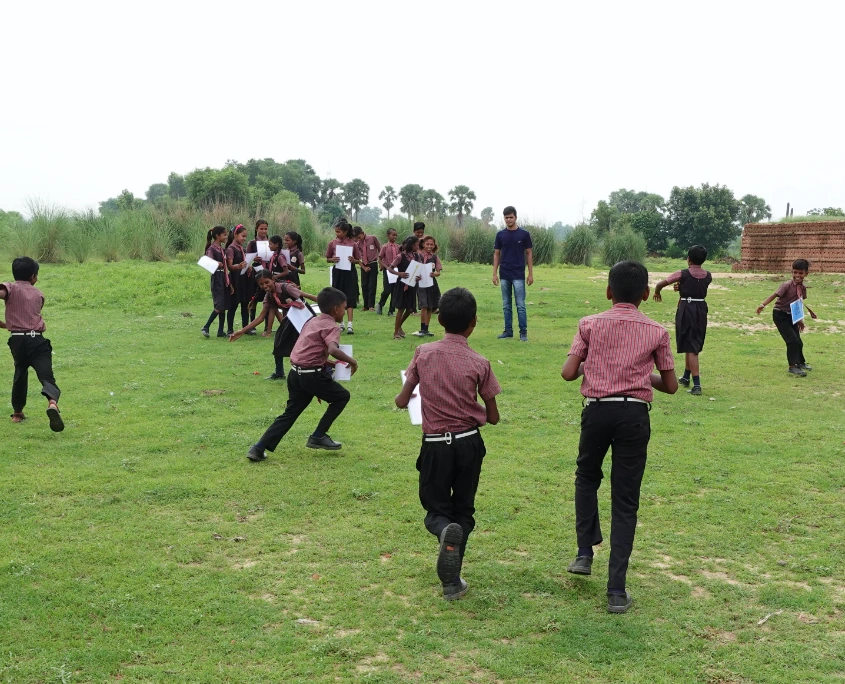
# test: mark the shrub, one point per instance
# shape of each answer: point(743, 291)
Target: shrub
point(43, 236)
point(623, 245)
point(675, 251)
point(579, 245)
point(478, 244)
point(544, 245)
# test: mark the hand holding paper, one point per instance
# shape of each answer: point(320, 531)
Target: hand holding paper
point(415, 403)
point(343, 252)
point(208, 264)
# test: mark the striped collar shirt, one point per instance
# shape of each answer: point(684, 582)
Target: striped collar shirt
point(451, 376)
point(370, 249)
point(23, 306)
point(789, 292)
point(312, 347)
point(620, 348)
point(346, 242)
point(389, 251)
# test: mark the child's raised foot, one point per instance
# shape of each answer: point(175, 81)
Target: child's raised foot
point(18, 417)
point(56, 422)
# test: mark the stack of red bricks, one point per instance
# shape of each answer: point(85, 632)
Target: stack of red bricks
point(772, 247)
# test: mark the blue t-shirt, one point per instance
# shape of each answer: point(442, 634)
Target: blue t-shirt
point(512, 244)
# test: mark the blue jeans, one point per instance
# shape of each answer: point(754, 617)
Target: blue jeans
point(507, 304)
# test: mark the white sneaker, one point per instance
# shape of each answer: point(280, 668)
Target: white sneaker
point(349, 330)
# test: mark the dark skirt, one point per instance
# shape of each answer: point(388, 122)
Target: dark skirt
point(690, 327)
point(404, 297)
point(219, 292)
point(429, 297)
point(347, 282)
point(244, 289)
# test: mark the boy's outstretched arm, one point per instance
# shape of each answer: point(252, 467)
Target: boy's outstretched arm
point(666, 381)
point(573, 368)
point(663, 283)
point(766, 302)
point(492, 410)
point(404, 397)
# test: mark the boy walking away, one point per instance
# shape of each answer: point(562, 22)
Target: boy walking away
point(791, 291)
point(388, 253)
point(309, 377)
point(27, 343)
point(512, 250)
point(616, 351)
point(691, 316)
point(451, 377)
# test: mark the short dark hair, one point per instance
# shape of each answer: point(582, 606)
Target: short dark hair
point(409, 243)
point(263, 274)
point(797, 265)
point(343, 224)
point(419, 225)
point(697, 254)
point(628, 280)
point(457, 309)
point(276, 240)
point(328, 298)
point(23, 268)
point(391, 230)
point(509, 211)
point(357, 230)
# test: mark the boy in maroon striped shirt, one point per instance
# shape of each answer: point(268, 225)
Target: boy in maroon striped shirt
point(615, 351)
point(451, 377)
point(27, 343)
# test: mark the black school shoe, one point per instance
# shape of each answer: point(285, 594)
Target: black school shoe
point(683, 381)
point(455, 590)
point(449, 557)
point(695, 391)
point(805, 367)
point(619, 603)
point(56, 422)
point(324, 442)
point(582, 565)
point(204, 332)
point(797, 370)
point(256, 454)
point(220, 333)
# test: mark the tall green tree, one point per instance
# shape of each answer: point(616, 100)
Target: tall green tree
point(652, 226)
point(356, 194)
point(462, 201)
point(827, 211)
point(704, 216)
point(156, 192)
point(330, 188)
point(176, 186)
point(433, 204)
point(389, 197)
point(605, 217)
point(753, 209)
point(487, 215)
point(630, 202)
point(410, 197)
point(126, 200)
point(210, 186)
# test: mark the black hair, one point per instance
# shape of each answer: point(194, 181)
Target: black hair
point(237, 230)
point(296, 237)
point(277, 240)
point(628, 281)
point(697, 254)
point(419, 225)
point(457, 309)
point(357, 230)
point(260, 222)
point(508, 211)
point(328, 298)
point(391, 230)
point(263, 273)
point(213, 233)
point(800, 265)
point(409, 242)
point(343, 224)
point(23, 268)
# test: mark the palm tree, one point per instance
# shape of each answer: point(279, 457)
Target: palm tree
point(356, 193)
point(388, 195)
point(433, 204)
point(462, 198)
point(411, 197)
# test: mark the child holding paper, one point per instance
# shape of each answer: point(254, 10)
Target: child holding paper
point(296, 263)
point(221, 287)
point(308, 378)
point(429, 295)
point(404, 294)
point(256, 263)
point(451, 376)
point(370, 249)
point(788, 325)
point(345, 277)
point(386, 256)
point(242, 283)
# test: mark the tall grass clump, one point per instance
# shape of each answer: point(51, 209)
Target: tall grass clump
point(623, 245)
point(579, 246)
point(81, 240)
point(544, 245)
point(42, 237)
point(477, 246)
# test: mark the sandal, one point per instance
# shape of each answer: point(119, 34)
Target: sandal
point(18, 417)
point(402, 333)
point(267, 333)
point(397, 336)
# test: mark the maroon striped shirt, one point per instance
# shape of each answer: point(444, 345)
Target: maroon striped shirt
point(389, 252)
point(370, 249)
point(283, 291)
point(620, 348)
point(789, 292)
point(694, 271)
point(452, 376)
point(312, 347)
point(348, 242)
point(24, 302)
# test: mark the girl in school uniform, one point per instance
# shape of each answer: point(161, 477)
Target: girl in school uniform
point(345, 281)
point(429, 297)
point(261, 231)
point(221, 287)
point(296, 263)
point(277, 267)
point(370, 248)
point(404, 296)
point(242, 285)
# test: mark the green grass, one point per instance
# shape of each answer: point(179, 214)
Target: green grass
point(141, 545)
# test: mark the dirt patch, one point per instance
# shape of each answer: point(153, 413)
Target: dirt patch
point(212, 392)
point(700, 593)
point(723, 577)
point(245, 564)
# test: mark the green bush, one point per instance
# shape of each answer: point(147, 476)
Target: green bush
point(623, 245)
point(579, 246)
point(544, 245)
point(477, 244)
point(675, 251)
point(43, 236)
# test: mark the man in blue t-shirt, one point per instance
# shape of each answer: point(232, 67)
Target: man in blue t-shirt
point(512, 249)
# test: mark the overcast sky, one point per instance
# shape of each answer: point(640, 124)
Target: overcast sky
point(545, 105)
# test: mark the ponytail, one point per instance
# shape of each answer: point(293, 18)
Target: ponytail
point(343, 224)
point(237, 230)
point(296, 237)
point(212, 234)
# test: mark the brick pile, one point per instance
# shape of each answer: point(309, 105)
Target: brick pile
point(772, 247)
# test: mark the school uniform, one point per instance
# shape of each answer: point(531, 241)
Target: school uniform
point(387, 254)
point(429, 297)
point(220, 294)
point(404, 296)
point(27, 343)
point(691, 316)
point(620, 347)
point(370, 249)
point(286, 333)
point(252, 248)
point(788, 293)
point(451, 375)
point(297, 259)
point(345, 281)
point(308, 379)
point(243, 285)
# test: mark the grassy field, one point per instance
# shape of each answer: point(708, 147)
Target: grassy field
point(141, 545)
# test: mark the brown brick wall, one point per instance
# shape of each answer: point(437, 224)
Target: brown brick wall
point(772, 247)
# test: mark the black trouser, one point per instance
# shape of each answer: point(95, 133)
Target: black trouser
point(38, 353)
point(448, 483)
point(244, 314)
point(791, 335)
point(369, 283)
point(386, 291)
point(302, 388)
point(624, 428)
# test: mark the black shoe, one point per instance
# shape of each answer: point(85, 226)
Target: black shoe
point(796, 370)
point(378, 309)
point(56, 422)
point(220, 333)
point(805, 367)
point(275, 377)
point(619, 603)
point(256, 454)
point(695, 391)
point(251, 332)
point(449, 557)
point(204, 332)
point(229, 333)
point(324, 442)
point(455, 590)
point(391, 314)
point(523, 337)
point(683, 381)
point(505, 335)
point(582, 565)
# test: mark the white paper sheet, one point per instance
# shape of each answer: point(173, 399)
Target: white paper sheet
point(264, 251)
point(299, 317)
point(344, 252)
point(797, 310)
point(248, 258)
point(392, 278)
point(425, 272)
point(413, 270)
point(286, 254)
point(342, 371)
point(331, 273)
point(208, 264)
point(415, 405)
